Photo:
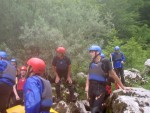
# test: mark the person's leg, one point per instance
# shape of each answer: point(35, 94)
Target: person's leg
point(5, 91)
point(57, 86)
point(122, 75)
point(71, 91)
point(100, 96)
point(117, 72)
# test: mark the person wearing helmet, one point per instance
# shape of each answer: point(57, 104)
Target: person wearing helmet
point(13, 61)
point(102, 55)
point(61, 65)
point(7, 80)
point(18, 88)
point(97, 80)
point(37, 90)
point(118, 59)
point(12, 98)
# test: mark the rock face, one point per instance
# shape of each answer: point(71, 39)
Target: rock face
point(147, 63)
point(137, 100)
point(77, 107)
point(147, 67)
point(133, 76)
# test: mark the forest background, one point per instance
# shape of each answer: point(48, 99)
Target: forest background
point(37, 27)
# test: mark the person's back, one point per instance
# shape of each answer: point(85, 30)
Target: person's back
point(37, 91)
point(118, 59)
point(7, 80)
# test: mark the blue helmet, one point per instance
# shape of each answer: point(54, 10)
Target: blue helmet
point(117, 48)
point(13, 60)
point(95, 48)
point(102, 55)
point(3, 54)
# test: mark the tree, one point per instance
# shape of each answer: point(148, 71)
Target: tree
point(135, 55)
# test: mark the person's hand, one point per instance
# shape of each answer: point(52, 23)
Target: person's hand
point(17, 97)
point(122, 62)
point(57, 79)
point(126, 89)
point(69, 80)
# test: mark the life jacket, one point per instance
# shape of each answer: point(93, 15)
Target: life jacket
point(61, 64)
point(21, 82)
point(46, 94)
point(117, 58)
point(9, 74)
point(96, 72)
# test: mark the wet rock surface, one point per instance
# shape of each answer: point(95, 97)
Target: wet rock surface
point(137, 100)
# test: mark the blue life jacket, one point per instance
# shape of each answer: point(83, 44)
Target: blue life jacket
point(7, 73)
point(96, 72)
point(117, 58)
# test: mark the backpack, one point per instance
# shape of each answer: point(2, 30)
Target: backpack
point(46, 96)
point(117, 56)
point(106, 70)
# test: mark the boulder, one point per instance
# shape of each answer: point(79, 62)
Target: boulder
point(132, 76)
point(136, 100)
point(81, 75)
point(147, 63)
point(77, 107)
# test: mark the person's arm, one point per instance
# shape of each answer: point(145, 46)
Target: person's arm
point(111, 60)
point(54, 70)
point(15, 92)
point(87, 85)
point(116, 78)
point(69, 74)
point(69, 71)
point(32, 95)
point(123, 59)
point(56, 74)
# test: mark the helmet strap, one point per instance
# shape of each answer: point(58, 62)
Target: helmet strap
point(29, 71)
point(93, 60)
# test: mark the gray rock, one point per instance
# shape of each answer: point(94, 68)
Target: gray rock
point(81, 74)
point(136, 100)
point(147, 63)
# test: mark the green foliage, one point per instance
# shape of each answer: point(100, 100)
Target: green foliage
point(124, 13)
point(135, 55)
point(35, 28)
point(109, 48)
point(80, 86)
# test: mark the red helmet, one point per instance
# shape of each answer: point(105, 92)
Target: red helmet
point(23, 68)
point(38, 65)
point(61, 50)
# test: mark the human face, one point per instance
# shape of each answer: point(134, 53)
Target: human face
point(60, 55)
point(23, 72)
point(14, 64)
point(92, 54)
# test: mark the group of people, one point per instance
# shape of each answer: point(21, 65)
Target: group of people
point(35, 91)
point(29, 86)
point(100, 72)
